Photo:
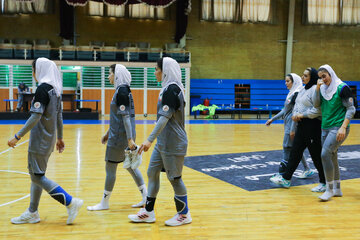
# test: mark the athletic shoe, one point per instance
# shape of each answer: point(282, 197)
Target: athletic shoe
point(319, 188)
point(275, 175)
point(136, 158)
point(338, 192)
point(327, 195)
point(140, 204)
point(143, 195)
point(73, 209)
point(307, 173)
point(143, 216)
point(98, 207)
point(26, 217)
point(279, 180)
point(128, 156)
point(179, 219)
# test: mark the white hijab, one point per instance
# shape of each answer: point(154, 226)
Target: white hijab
point(296, 87)
point(328, 91)
point(47, 72)
point(171, 74)
point(121, 76)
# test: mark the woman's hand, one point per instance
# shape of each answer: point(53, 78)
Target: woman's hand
point(292, 135)
point(268, 122)
point(12, 142)
point(297, 118)
point(131, 144)
point(104, 138)
point(340, 136)
point(60, 145)
point(145, 146)
point(319, 83)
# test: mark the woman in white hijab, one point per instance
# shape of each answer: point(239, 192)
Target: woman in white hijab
point(171, 145)
point(121, 137)
point(294, 84)
point(307, 115)
point(46, 127)
point(337, 107)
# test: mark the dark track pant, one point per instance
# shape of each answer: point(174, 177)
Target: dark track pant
point(308, 135)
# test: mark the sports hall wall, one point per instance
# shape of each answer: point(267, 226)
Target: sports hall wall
point(218, 50)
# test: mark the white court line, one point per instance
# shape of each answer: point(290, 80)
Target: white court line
point(4, 204)
point(16, 200)
point(12, 171)
point(12, 148)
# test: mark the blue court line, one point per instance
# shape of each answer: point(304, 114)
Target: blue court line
point(198, 121)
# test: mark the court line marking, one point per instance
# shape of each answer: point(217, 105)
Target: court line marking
point(19, 199)
point(12, 171)
point(15, 146)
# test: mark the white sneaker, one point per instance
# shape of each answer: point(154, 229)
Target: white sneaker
point(327, 195)
point(279, 180)
point(338, 192)
point(276, 175)
point(307, 173)
point(98, 207)
point(179, 219)
point(140, 204)
point(143, 216)
point(136, 158)
point(73, 209)
point(26, 217)
point(319, 188)
point(128, 156)
point(143, 195)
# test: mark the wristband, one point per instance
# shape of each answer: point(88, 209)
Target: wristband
point(17, 138)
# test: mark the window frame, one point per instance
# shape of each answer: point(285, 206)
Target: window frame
point(238, 13)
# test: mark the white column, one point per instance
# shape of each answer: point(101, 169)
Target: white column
point(145, 92)
point(11, 85)
point(290, 36)
point(187, 90)
point(81, 85)
point(103, 91)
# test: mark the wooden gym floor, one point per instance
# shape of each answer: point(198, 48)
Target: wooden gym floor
point(219, 210)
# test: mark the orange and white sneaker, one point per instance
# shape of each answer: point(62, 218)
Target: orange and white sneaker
point(179, 219)
point(143, 216)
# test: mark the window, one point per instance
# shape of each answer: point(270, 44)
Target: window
point(236, 10)
point(26, 6)
point(256, 11)
point(345, 12)
point(142, 10)
point(323, 11)
point(96, 8)
point(99, 9)
point(135, 10)
point(224, 10)
point(116, 11)
point(350, 12)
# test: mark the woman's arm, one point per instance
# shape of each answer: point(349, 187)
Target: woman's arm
point(60, 145)
point(347, 102)
point(279, 115)
point(312, 112)
point(161, 123)
point(127, 126)
point(30, 123)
